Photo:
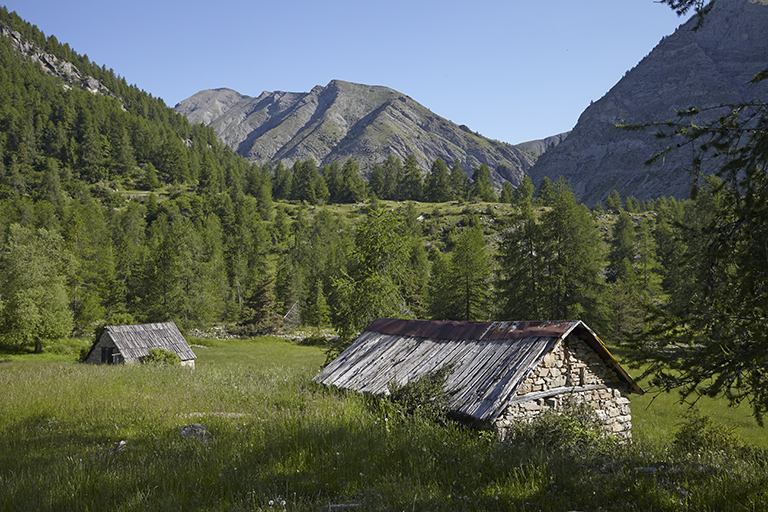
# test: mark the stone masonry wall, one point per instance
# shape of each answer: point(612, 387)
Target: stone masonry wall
point(575, 368)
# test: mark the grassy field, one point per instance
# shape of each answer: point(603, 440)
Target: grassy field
point(77, 437)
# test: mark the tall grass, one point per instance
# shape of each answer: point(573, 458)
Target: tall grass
point(277, 442)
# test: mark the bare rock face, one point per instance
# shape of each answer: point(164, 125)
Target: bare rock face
point(707, 67)
point(343, 120)
point(54, 66)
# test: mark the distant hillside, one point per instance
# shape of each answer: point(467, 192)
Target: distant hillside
point(343, 120)
point(707, 67)
point(541, 146)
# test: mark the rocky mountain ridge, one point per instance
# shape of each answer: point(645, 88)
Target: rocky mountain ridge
point(343, 120)
point(706, 67)
point(54, 66)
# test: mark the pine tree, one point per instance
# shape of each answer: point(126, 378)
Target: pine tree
point(353, 188)
point(411, 186)
point(623, 245)
point(574, 287)
point(482, 187)
point(521, 276)
point(459, 181)
point(470, 274)
point(438, 186)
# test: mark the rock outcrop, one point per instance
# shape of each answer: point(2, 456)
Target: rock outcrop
point(343, 120)
point(707, 67)
point(55, 66)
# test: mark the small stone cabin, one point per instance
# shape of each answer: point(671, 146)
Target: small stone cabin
point(131, 343)
point(502, 371)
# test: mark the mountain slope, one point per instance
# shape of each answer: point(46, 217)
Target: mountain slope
point(343, 120)
point(707, 67)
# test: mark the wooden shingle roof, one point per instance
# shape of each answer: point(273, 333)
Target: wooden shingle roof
point(490, 359)
point(134, 341)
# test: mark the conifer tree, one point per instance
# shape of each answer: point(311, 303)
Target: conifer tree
point(438, 298)
point(373, 286)
point(574, 286)
point(459, 181)
point(437, 188)
point(302, 184)
point(482, 187)
point(392, 171)
point(520, 281)
point(507, 194)
point(470, 274)
point(353, 188)
point(524, 192)
point(376, 181)
point(546, 192)
point(411, 186)
point(613, 201)
point(623, 245)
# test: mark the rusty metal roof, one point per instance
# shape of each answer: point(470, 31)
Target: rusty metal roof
point(490, 359)
point(450, 330)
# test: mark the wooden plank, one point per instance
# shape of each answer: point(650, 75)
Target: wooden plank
point(549, 393)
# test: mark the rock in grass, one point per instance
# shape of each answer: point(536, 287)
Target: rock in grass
point(196, 432)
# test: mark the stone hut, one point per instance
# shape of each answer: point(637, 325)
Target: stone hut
point(502, 372)
point(131, 343)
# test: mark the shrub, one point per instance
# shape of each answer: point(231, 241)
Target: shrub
point(425, 397)
point(313, 340)
point(697, 433)
point(574, 425)
point(161, 356)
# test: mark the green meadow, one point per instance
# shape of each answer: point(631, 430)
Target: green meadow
point(82, 437)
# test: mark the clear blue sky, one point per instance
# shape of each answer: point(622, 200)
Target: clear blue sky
point(513, 70)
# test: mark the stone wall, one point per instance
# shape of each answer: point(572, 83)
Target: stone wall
point(576, 372)
point(95, 356)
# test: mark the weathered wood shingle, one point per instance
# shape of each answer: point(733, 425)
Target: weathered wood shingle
point(133, 342)
point(490, 360)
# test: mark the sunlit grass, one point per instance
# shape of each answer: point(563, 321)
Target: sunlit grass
point(278, 442)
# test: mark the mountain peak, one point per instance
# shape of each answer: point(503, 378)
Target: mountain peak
point(343, 120)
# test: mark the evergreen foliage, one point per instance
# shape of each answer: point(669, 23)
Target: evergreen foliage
point(374, 285)
point(710, 339)
point(468, 284)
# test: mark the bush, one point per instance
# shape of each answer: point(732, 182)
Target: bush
point(425, 397)
point(573, 425)
point(313, 340)
point(697, 433)
point(160, 356)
